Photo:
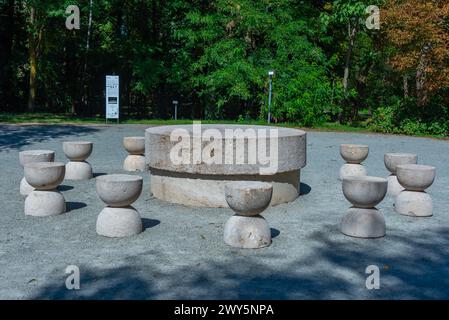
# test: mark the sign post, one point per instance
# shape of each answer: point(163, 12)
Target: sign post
point(270, 74)
point(175, 103)
point(112, 98)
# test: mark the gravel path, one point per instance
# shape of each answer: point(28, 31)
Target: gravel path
point(181, 255)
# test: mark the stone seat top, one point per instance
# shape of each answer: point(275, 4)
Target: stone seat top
point(282, 131)
point(286, 155)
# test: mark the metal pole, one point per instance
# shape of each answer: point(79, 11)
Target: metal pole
point(175, 104)
point(269, 101)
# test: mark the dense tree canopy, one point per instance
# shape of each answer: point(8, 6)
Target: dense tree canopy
point(214, 57)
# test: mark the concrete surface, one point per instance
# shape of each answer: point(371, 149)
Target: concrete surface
point(181, 253)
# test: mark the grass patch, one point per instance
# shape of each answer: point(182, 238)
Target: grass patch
point(50, 118)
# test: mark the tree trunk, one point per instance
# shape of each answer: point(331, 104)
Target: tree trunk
point(33, 64)
point(84, 98)
point(421, 90)
point(405, 86)
point(352, 32)
point(6, 50)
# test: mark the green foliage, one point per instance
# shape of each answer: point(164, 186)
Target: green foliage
point(214, 57)
point(401, 118)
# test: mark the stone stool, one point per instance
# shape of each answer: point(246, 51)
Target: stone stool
point(414, 201)
point(247, 228)
point(392, 160)
point(135, 146)
point(77, 152)
point(30, 156)
point(45, 200)
point(119, 218)
point(354, 155)
point(363, 220)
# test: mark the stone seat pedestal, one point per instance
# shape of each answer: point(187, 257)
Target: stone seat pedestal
point(119, 219)
point(135, 161)
point(247, 228)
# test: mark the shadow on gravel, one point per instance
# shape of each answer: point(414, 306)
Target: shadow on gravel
point(64, 187)
point(274, 232)
point(149, 223)
point(97, 174)
point(304, 189)
point(18, 136)
point(419, 271)
point(71, 206)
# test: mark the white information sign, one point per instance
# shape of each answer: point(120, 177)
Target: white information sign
point(112, 97)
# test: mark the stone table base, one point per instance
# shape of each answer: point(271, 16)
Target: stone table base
point(208, 191)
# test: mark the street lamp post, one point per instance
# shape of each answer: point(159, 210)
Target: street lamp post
point(175, 103)
point(270, 74)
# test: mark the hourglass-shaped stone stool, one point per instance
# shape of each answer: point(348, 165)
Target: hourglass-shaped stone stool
point(363, 220)
point(77, 152)
point(414, 201)
point(135, 146)
point(247, 228)
point(119, 218)
point(30, 156)
point(392, 160)
point(44, 200)
point(354, 155)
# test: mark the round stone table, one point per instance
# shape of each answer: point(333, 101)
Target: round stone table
point(191, 165)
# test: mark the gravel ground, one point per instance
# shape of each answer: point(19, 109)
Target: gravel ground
point(181, 255)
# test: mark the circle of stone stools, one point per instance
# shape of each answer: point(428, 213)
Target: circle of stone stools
point(354, 155)
point(135, 161)
point(413, 200)
point(44, 200)
point(392, 160)
point(119, 218)
point(30, 156)
point(363, 220)
point(77, 152)
point(247, 228)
